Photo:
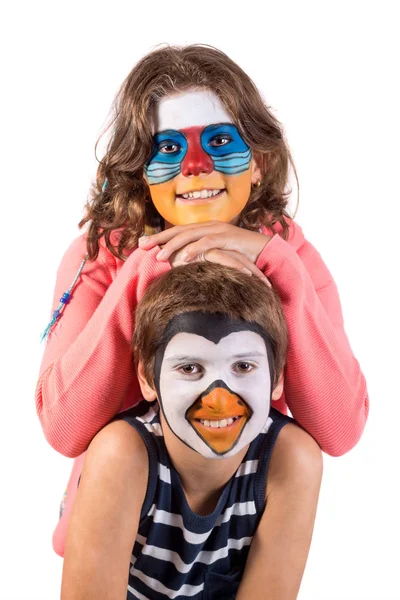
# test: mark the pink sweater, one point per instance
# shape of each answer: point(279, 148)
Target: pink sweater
point(87, 377)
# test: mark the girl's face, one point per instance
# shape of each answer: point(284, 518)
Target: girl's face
point(200, 168)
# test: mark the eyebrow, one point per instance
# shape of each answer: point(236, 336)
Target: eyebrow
point(198, 358)
point(183, 358)
point(170, 131)
point(248, 354)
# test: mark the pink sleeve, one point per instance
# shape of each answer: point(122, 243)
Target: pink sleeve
point(87, 371)
point(325, 389)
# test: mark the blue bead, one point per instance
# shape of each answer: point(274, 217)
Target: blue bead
point(65, 298)
point(56, 314)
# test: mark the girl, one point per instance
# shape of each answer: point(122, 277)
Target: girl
point(197, 159)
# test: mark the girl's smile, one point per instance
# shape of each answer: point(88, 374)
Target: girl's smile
point(197, 197)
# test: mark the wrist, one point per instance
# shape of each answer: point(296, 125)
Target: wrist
point(262, 241)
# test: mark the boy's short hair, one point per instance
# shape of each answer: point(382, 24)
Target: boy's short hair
point(212, 288)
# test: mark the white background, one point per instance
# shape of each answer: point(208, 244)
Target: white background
point(330, 72)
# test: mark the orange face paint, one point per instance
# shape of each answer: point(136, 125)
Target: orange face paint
point(228, 204)
point(219, 405)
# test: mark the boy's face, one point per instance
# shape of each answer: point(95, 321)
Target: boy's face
point(200, 168)
point(213, 382)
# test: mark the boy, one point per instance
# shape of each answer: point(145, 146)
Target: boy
point(215, 491)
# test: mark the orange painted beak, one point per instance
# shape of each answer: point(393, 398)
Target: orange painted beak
point(219, 418)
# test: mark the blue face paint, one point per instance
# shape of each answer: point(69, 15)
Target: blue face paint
point(230, 154)
point(169, 149)
point(223, 144)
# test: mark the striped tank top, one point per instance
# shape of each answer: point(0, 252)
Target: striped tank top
point(179, 554)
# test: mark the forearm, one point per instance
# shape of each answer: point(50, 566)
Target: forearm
point(87, 366)
point(75, 402)
point(324, 386)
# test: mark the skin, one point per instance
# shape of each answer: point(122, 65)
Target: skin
point(100, 538)
point(222, 243)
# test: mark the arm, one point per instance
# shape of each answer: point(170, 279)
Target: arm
point(325, 389)
point(105, 516)
point(86, 370)
point(324, 386)
point(279, 549)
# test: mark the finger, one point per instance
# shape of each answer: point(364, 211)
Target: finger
point(158, 239)
point(187, 237)
point(248, 264)
point(234, 260)
point(215, 241)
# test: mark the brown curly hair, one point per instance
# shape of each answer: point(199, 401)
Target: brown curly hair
point(120, 198)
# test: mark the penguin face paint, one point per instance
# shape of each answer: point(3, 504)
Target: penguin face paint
point(213, 377)
point(200, 166)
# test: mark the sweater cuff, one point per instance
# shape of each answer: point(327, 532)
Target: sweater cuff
point(150, 268)
point(274, 254)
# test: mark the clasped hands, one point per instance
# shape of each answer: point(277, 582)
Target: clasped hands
point(213, 241)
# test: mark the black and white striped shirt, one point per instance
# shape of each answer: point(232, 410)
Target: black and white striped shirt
point(179, 554)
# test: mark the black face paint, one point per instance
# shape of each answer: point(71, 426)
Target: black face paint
point(213, 327)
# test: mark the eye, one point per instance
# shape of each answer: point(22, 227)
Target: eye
point(243, 367)
point(169, 147)
point(220, 140)
point(190, 369)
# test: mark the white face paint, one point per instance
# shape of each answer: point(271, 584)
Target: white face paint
point(191, 109)
point(220, 424)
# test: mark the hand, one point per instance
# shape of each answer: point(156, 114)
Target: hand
point(196, 239)
point(228, 258)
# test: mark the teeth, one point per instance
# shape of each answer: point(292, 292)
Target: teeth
point(202, 194)
point(218, 424)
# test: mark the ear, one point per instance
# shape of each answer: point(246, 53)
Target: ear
point(148, 392)
point(256, 163)
point(278, 389)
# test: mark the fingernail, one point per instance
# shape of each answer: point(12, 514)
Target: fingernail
point(144, 240)
point(247, 271)
point(185, 256)
point(161, 255)
point(268, 283)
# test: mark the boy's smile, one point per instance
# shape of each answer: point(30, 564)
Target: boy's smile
point(219, 417)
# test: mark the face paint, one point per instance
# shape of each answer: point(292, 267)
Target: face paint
point(214, 397)
point(195, 150)
point(200, 166)
point(220, 406)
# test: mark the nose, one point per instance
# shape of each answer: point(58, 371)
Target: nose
point(220, 400)
point(196, 160)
